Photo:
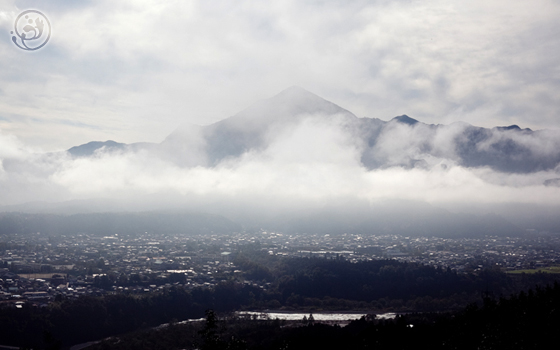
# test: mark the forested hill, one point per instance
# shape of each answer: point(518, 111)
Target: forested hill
point(529, 320)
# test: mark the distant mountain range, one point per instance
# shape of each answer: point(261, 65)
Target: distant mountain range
point(504, 148)
point(404, 218)
point(116, 223)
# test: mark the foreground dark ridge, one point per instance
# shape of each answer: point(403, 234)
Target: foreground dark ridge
point(524, 321)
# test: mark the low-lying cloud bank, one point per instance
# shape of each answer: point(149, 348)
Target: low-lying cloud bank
point(312, 161)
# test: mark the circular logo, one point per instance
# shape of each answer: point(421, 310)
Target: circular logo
point(32, 30)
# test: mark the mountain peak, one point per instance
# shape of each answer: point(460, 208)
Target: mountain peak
point(294, 88)
point(287, 105)
point(250, 128)
point(512, 127)
point(298, 96)
point(405, 119)
point(294, 91)
point(89, 148)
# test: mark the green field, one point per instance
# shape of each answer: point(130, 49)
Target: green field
point(39, 275)
point(551, 269)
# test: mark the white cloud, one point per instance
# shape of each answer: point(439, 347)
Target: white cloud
point(314, 161)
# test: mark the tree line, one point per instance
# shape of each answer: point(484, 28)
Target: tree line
point(528, 320)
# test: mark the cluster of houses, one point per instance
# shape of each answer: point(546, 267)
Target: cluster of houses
point(38, 269)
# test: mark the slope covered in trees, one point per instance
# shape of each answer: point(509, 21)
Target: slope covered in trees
point(528, 320)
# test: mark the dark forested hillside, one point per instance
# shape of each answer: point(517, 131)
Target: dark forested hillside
point(528, 320)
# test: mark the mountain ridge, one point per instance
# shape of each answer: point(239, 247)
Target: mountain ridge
point(507, 149)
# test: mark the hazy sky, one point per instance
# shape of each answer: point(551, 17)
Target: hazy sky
point(134, 70)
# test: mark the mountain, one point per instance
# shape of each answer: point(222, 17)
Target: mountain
point(90, 148)
point(250, 128)
point(405, 120)
point(393, 217)
point(386, 218)
point(402, 141)
point(116, 223)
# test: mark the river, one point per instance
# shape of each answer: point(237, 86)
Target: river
point(320, 316)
